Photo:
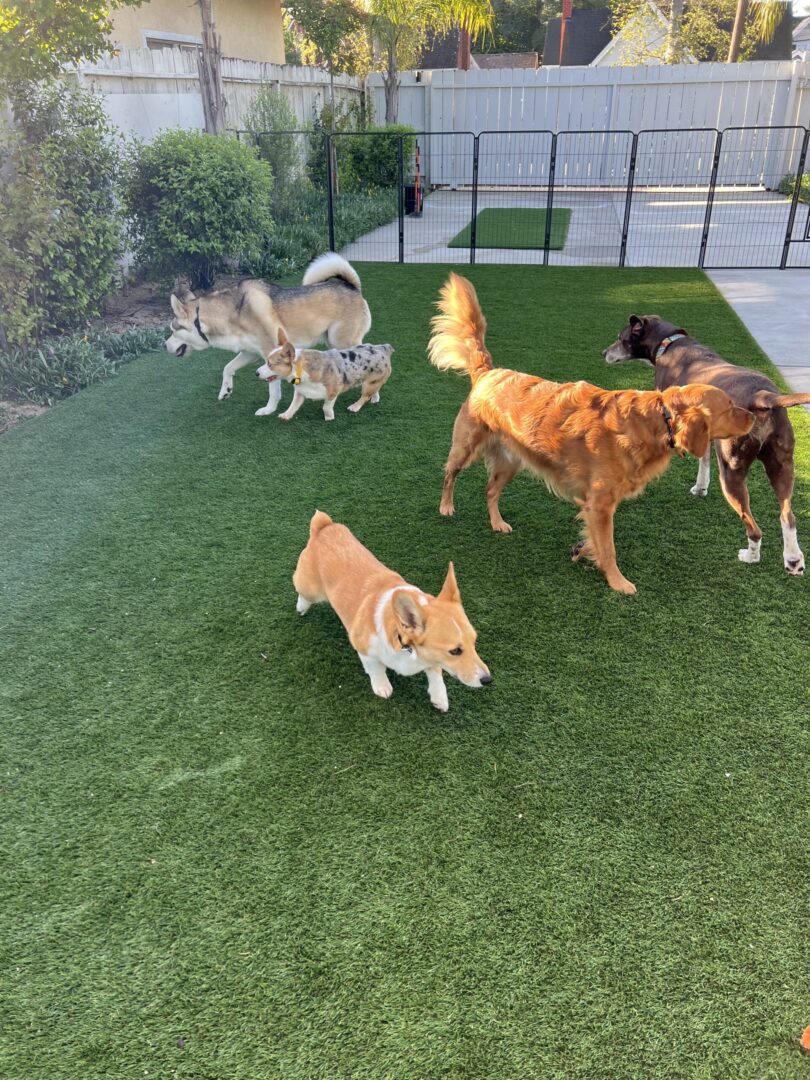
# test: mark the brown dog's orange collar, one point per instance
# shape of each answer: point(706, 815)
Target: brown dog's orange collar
point(665, 344)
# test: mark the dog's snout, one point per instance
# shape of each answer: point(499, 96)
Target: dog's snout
point(486, 679)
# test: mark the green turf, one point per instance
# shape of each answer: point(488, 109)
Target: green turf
point(515, 227)
point(224, 859)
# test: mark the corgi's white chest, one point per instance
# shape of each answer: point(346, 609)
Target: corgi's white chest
point(402, 661)
point(313, 391)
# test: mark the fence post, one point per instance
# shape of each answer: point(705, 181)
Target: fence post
point(401, 198)
point(631, 176)
point(795, 200)
point(552, 165)
point(474, 218)
point(330, 203)
point(710, 199)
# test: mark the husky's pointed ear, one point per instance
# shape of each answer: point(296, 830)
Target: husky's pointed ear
point(178, 307)
point(408, 614)
point(282, 337)
point(450, 591)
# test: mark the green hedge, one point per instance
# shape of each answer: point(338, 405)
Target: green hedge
point(197, 204)
point(60, 229)
point(788, 185)
point(61, 366)
point(304, 232)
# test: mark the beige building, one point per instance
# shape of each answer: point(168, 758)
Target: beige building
point(250, 29)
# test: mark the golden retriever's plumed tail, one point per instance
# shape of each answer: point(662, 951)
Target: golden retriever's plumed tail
point(458, 332)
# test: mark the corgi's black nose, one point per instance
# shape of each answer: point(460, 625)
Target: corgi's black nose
point(486, 680)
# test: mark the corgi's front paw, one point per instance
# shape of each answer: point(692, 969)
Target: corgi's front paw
point(382, 687)
point(286, 415)
point(442, 704)
point(266, 411)
point(225, 390)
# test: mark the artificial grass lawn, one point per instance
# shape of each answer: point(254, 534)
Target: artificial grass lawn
point(225, 859)
point(515, 227)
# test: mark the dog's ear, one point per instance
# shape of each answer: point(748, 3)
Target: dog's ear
point(408, 614)
point(288, 352)
point(282, 337)
point(638, 324)
point(692, 436)
point(178, 307)
point(450, 591)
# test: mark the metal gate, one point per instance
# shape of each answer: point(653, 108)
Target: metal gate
point(736, 198)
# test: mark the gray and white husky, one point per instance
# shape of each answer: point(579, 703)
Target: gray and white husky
point(327, 307)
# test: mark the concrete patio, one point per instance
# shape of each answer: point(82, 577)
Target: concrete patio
point(665, 229)
point(775, 306)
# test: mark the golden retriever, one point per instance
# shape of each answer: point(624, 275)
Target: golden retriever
point(591, 446)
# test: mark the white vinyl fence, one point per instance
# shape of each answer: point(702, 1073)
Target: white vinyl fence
point(596, 111)
point(765, 93)
point(146, 90)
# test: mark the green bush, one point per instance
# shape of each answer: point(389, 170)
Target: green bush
point(304, 233)
point(270, 120)
point(787, 186)
point(345, 117)
point(197, 204)
point(62, 366)
point(60, 230)
point(369, 160)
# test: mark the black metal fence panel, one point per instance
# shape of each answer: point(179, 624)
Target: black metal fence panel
point(736, 198)
point(440, 186)
point(591, 179)
point(750, 214)
point(673, 176)
point(797, 240)
point(512, 203)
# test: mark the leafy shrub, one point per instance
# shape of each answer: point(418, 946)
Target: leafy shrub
point(302, 235)
point(347, 116)
point(370, 159)
point(270, 119)
point(62, 366)
point(197, 204)
point(60, 232)
point(787, 186)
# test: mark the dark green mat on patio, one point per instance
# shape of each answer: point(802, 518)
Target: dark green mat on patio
point(516, 227)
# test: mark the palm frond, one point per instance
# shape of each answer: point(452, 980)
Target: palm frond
point(768, 14)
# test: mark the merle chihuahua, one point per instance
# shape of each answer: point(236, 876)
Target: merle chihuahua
point(679, 359)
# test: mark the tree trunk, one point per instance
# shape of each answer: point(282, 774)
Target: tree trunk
point(208, 62)
point(391, 84)
point(463, 56)
point(737, 32)
point(674, 37)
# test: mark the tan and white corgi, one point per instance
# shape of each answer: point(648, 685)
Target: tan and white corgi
point(390, 623)
point(322, 375)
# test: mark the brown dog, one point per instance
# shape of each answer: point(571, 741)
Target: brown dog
point(678, 358)
point(593, 447)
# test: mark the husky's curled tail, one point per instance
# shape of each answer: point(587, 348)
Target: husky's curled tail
point(328, 266)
